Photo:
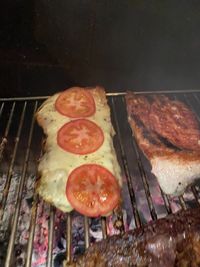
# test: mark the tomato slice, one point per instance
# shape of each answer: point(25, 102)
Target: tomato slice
point(80, 137)
point(75, 102)
point(92, 190)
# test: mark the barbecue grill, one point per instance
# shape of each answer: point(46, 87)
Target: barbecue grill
point(34, 233)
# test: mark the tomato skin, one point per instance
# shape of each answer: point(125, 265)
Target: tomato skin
point(75, 102)
point(80, 137)
point(92, 190)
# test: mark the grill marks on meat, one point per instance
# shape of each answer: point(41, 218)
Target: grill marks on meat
point(159, 132)
point(140, 108)
point(170, 119)
point(142, 118)
point(168, 242)
point(152, 137)
point(176, 122)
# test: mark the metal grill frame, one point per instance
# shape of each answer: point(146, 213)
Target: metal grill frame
point(195, 94)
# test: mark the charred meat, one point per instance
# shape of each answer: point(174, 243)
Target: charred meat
point(167, 242)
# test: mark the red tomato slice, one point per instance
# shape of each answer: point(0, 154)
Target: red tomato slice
point(75, 102)
point(80, 137)
point(92, 190)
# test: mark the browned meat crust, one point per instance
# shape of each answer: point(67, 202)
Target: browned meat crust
point(170, 119)
point(176, 122)
point(168, 242)
point(152, 144)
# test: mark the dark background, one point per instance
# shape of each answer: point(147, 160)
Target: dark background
point(48, 45)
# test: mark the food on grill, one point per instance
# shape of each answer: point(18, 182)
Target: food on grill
point(176, 122)
point(158, 125)
point(172, 241)
point(98, 184)
point(79, 168)
point(75, 103)
point(80, 136)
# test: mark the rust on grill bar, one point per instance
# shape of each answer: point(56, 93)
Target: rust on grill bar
point(50, 236)
point(33, 233)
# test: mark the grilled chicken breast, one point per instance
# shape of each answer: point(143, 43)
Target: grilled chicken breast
point(172, 241)
point(56, 164)
point(168, 134)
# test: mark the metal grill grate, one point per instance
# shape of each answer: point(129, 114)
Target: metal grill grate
point(20, 150)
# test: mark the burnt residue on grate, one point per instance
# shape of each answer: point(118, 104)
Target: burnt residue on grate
point(33, 233)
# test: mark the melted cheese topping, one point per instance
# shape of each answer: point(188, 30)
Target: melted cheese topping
point(56, 164)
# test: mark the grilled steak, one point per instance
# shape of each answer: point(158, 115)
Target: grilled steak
point(159, 133)
point(168, 242)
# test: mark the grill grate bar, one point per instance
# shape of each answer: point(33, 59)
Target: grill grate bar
point(4, 138)
point(125, 167)
point(182, 203)
point(86, 228)
point(19, 194)
point(32, 226)
point(195, 193)
point(50, 236)
point(181, 198)
point(1, 109)
point(104, 227)
point(193, 189)
point(119, 224)
point(197, 98)
point(10, 120)
point(145, 183)
point(10, 170)
point(166, 202)
point(68, 238)
point(28, 98)
point(31, 231)
point(188, 102)
point(115, 100)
